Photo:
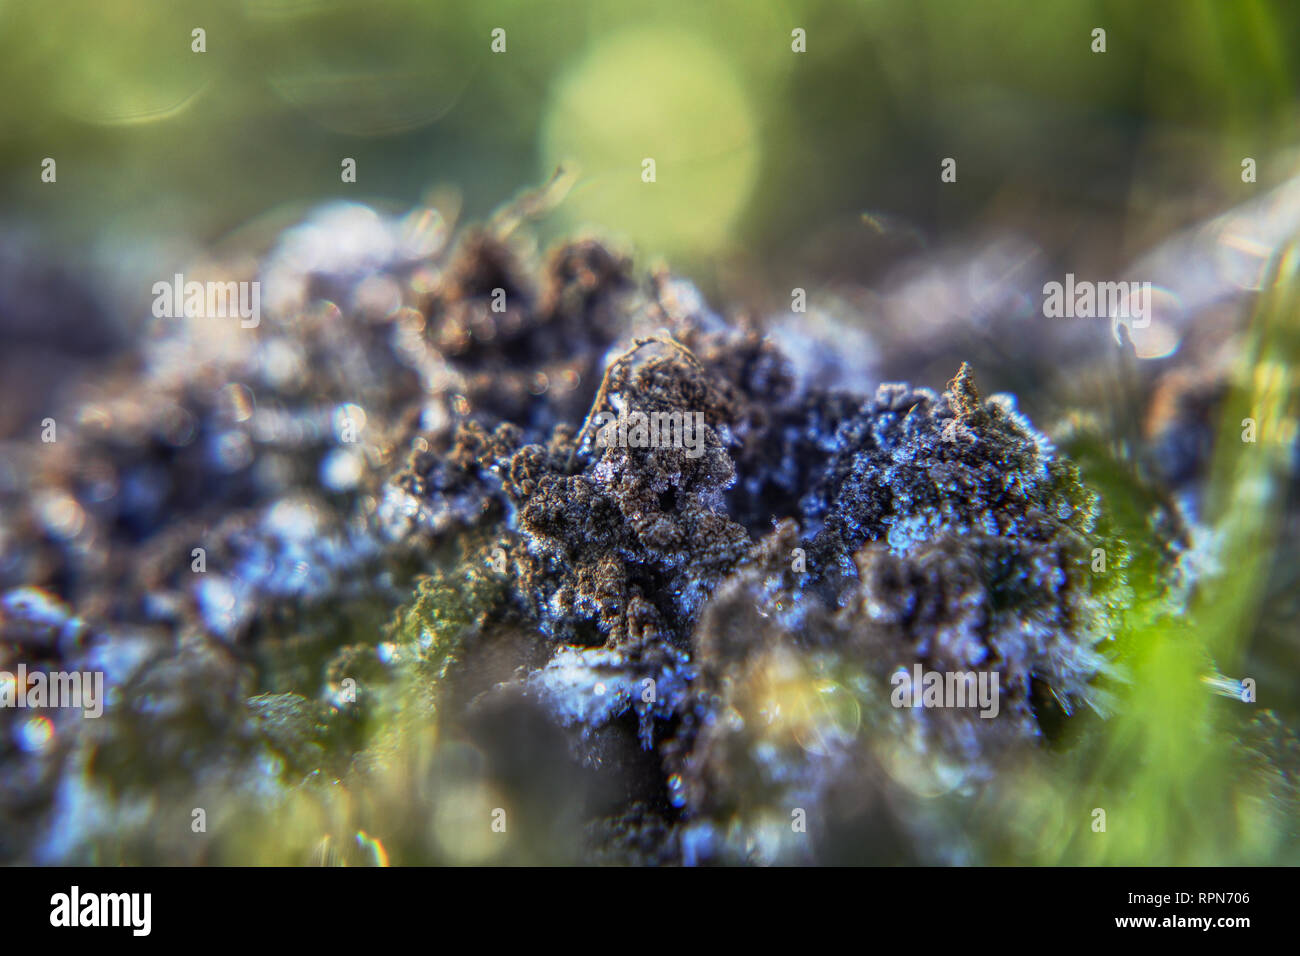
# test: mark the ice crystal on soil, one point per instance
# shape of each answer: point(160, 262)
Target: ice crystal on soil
point(682, 649)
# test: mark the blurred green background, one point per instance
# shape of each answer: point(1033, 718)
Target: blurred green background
point(766, 158)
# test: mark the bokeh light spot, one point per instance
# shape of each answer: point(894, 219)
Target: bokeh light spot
point(667, 97)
